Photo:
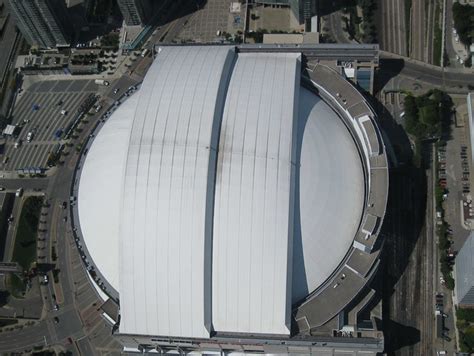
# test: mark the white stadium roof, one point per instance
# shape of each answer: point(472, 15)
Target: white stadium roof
point(253, 217)
point(190, 204)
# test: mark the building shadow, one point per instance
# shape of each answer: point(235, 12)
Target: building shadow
point(404, 218)
point(388, 69)
point(4, 297)
point(398, 336)
point(177, 10)
point(328, 7)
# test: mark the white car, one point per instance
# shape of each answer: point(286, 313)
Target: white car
point(454, 31)
point(29, 136)
point(63, 112)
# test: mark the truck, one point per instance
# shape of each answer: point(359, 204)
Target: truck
point(101, 82)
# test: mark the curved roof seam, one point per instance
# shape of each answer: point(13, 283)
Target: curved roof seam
point(162, 148)
point(230, 168)
point(254, 80)
point(135, 186)
point(146, 200)
point(183, 181)
point(196, 154)
point(252, 260)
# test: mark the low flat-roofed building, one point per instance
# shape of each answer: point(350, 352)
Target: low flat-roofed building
point(465, 274)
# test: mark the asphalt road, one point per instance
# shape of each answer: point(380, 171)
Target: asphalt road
point(337, 32)
point(25, 338)
point(25, 183)
point(444, 79)
point(74, 289)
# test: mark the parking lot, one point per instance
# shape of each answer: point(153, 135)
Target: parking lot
point(456, 171)
point(45, 109)
point(214, 16)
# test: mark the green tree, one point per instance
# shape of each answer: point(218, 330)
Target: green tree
point(463, 16)
point(465, 314)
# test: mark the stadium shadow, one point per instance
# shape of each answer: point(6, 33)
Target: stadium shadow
point(403, 223)
point(328, 7)
point(399, 336)
point(388, 68)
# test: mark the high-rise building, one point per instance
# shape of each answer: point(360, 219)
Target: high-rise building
point(303, 9)
point(465, 274)
point(39, 22)
point(135, 12)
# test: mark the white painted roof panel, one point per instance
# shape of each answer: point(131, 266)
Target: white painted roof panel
point(100, 188)
point(252, 213)
point(165, 197)
point(331, 194)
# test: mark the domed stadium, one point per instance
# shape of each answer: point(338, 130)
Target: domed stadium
point(234, 194)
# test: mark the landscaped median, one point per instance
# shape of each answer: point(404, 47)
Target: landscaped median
point(24, 251)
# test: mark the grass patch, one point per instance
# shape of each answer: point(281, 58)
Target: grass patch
point(16, 285)
point(24, 251)
point(466, 342)
point(465, 314)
